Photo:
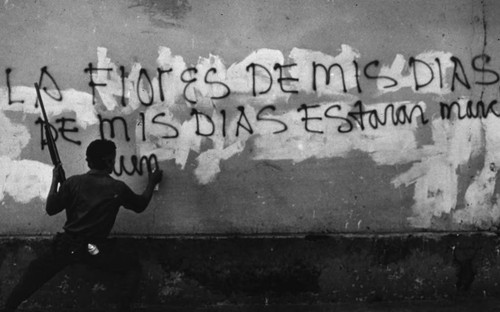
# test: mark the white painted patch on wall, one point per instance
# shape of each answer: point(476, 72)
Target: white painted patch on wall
point(481, 198)
point(24, 180)
point(434, 173)
point(13, 137)
point(387, 145)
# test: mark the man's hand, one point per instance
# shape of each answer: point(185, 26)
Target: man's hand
point(58, 174)
point(155, 176)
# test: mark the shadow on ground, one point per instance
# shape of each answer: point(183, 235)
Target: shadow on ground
point(476, 305)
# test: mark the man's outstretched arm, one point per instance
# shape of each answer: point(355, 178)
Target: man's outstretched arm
point(138, 203)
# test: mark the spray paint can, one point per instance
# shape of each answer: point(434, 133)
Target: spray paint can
point(157, 186)
point(93, 250)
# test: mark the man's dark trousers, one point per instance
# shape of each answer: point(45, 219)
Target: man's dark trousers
point(66, 250)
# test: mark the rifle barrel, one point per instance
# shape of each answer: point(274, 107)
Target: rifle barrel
point(54, 154)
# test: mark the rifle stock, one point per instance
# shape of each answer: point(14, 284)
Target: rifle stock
point(51, 143)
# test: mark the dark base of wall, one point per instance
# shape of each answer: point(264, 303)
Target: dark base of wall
point(299, 270)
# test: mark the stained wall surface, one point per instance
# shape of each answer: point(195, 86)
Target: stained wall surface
point(266, 116)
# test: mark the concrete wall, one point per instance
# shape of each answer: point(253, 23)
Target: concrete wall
point(233, 100)
point(230, 98)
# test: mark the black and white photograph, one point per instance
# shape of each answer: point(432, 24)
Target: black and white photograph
point(249, 155)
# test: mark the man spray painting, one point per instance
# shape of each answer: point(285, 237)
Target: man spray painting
point(91, 202)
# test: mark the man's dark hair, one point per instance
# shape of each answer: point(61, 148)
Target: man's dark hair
point(98, 152)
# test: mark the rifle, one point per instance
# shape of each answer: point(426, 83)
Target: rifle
point(51, 143)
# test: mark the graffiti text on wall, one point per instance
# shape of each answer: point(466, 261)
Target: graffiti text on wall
point(309, 104)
